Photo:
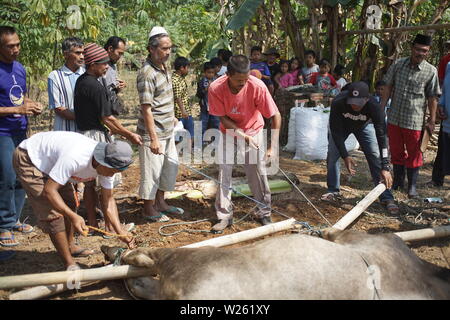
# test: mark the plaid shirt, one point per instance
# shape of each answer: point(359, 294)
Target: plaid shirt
point(180, 91)
point(155, 88)
point(411, 87)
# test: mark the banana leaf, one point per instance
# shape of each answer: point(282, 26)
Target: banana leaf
point(245, 12)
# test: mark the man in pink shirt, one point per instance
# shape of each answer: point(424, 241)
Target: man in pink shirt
point(242, 102)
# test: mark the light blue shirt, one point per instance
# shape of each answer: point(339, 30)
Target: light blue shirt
point(61, 86)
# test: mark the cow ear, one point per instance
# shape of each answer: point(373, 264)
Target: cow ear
point(140, 258)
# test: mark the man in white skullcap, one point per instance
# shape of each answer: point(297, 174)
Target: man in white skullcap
point(156, 125)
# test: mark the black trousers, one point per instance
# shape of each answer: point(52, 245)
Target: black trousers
point(438, 174)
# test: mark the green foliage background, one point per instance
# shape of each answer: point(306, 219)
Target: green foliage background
point(198, 28)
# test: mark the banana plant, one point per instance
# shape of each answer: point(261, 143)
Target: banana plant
point(244, 13)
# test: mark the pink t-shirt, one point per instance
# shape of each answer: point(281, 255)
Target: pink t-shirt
point(294, 75)
point(246, 108)
point(287, 80)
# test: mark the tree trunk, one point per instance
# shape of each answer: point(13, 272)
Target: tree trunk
point(445, 4)
point(292, 28)
point(359, 59)
point(333, 29)
point(314, 15)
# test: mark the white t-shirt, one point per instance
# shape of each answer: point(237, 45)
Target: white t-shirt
point(222, 71)
point(64, 156)
point(341, 83)
point(307, 72)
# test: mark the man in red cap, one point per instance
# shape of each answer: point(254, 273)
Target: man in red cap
point(412, 84)
point(94, 115)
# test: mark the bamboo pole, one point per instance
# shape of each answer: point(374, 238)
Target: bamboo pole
point(78, 276)
point(424, 234)
point(127, 271)
point(245, 235)
point(353, 214)
point(399, 29)
point(40, 292)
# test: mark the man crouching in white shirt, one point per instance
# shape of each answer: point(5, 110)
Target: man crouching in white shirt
point(47, 161)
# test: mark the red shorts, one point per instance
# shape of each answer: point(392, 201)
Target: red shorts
point(404, 145)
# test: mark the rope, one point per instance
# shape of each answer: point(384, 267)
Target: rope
point(376, 293)
point(230, 187)
point(118, 256)
point(184, 230)
point(191, 230)
point(304, 196)
point(244, 195)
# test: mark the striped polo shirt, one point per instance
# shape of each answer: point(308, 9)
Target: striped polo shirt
point(411, 87)
point(61, 86)
point(154, 87)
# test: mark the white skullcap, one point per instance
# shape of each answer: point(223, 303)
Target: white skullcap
point(157, 30)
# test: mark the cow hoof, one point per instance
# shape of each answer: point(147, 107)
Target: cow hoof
point(146, 288)
point(111, 252)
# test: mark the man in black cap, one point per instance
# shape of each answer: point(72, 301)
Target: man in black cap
point(46, 162)
point(351, 112)
point(412, 85)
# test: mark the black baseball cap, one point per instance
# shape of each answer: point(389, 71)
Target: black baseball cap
point(358, 93)
point(116, 155)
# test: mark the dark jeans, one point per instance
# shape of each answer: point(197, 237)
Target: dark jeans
point(209, 121)
point(368, 141)
point(188, 124)
point(438, 175)
point(12, 195)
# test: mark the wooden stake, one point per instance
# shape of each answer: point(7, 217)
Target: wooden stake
point(353, 214)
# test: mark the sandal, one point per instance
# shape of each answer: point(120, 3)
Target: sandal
point(391, 206)
point(5, 244)
point(159, 218)
point(23, 227)
point(331, 196)
point(173, 210)
point(83, 252)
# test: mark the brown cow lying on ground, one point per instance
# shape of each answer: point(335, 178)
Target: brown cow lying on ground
point(352, 265)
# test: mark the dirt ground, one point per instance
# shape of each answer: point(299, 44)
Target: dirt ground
point(37, 255)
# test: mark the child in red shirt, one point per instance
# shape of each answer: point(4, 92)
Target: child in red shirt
point(323, 79)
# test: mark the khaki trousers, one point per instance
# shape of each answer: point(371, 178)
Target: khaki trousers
point(255, 170)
